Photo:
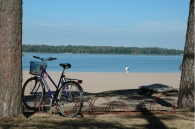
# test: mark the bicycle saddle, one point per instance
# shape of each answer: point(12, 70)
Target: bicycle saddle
point(66, 65)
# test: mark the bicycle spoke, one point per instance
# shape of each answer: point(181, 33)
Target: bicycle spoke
point(32, 93)
point(70, 99)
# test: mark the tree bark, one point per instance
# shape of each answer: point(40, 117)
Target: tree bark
point(10, 58)
point(186, 94)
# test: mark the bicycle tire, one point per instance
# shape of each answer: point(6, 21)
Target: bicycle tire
point(32, 93)
point(70, 99)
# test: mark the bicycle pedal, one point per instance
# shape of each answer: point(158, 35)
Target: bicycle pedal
point(81, 114)
point(68, 112)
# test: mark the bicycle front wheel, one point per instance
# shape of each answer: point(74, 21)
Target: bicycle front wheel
point(32, 93)
point(70, 99)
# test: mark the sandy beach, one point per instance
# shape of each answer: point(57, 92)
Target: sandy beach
point(94, 82)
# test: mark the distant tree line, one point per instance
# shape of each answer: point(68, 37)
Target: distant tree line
point(99, 49)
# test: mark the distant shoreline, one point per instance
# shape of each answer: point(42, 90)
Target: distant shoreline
point(82, 49)
point(103, 54)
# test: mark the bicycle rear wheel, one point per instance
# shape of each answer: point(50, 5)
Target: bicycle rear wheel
point(32, 93)
point(70, 99)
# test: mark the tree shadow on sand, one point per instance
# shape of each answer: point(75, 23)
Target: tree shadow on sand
point(144, 94)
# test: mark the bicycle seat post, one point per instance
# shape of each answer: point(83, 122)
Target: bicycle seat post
point(61, 77)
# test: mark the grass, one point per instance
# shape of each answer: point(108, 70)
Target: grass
point(179, 120)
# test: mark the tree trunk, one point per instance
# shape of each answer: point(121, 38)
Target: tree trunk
point(10, 58)
point(186, 94)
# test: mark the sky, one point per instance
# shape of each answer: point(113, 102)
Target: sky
point(128, 23)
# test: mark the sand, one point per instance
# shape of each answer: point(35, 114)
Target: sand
point(94, 82)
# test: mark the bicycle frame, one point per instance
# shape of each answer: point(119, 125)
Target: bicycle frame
point(42, 76)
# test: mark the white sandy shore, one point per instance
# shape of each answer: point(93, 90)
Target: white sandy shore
point(95, 82)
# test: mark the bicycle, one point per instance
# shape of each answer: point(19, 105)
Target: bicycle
point(68, 96)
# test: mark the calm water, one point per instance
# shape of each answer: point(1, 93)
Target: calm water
point(108, 63)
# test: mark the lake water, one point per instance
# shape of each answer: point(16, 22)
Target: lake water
point(108, 63)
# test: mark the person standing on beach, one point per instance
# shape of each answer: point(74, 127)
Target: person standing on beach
point(127, 70)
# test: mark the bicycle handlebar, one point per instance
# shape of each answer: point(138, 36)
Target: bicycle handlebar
point(45, 59)
point(36, 57)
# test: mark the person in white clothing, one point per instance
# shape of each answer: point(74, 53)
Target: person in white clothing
point(127, 70)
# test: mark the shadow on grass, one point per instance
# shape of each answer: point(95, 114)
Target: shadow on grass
point(154, 122)
point(69, 123)
point(103, 122)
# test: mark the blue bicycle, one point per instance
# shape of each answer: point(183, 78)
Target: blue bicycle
point(68, 96)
